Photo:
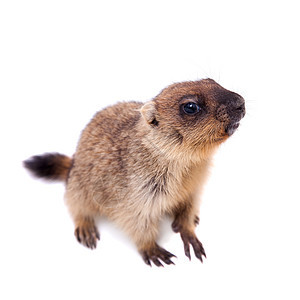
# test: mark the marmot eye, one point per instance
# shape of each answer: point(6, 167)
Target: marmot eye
point(191, 108)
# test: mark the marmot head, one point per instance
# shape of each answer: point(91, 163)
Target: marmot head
point(197, 115)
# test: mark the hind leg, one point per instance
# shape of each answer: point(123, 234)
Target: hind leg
point(86, 232)
point(83, 212)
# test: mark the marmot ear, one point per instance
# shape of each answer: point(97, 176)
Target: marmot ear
point(149, 113)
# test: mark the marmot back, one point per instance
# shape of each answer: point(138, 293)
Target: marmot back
point(136, 163)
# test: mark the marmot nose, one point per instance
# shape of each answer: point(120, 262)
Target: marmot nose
point(232, 110)
point(239, 106)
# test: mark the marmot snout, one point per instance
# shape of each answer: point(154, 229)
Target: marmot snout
point(137, 162)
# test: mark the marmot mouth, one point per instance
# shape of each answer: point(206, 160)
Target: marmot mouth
point(230, 129)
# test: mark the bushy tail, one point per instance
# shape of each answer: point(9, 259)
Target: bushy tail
point(50, 166)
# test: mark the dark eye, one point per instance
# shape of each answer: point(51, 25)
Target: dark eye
point(191, 108)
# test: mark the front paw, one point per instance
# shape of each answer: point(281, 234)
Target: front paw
point(157, 255)
point(191, 239)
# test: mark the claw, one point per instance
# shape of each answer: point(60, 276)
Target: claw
point(198, 248)
point(77, 235)
point(169, 262)
point(97, 235)
point(186, 246)
point(146, 259)
point(157, 262)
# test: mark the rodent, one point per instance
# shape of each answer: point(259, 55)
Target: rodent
point(137, 162)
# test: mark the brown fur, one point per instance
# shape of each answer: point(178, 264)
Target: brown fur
point(137, 162)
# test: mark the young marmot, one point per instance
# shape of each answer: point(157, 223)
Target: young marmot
point(137, 162)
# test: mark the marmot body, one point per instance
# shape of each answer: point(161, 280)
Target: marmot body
point(137, 162)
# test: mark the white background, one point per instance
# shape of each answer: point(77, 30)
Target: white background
point(61, 61)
